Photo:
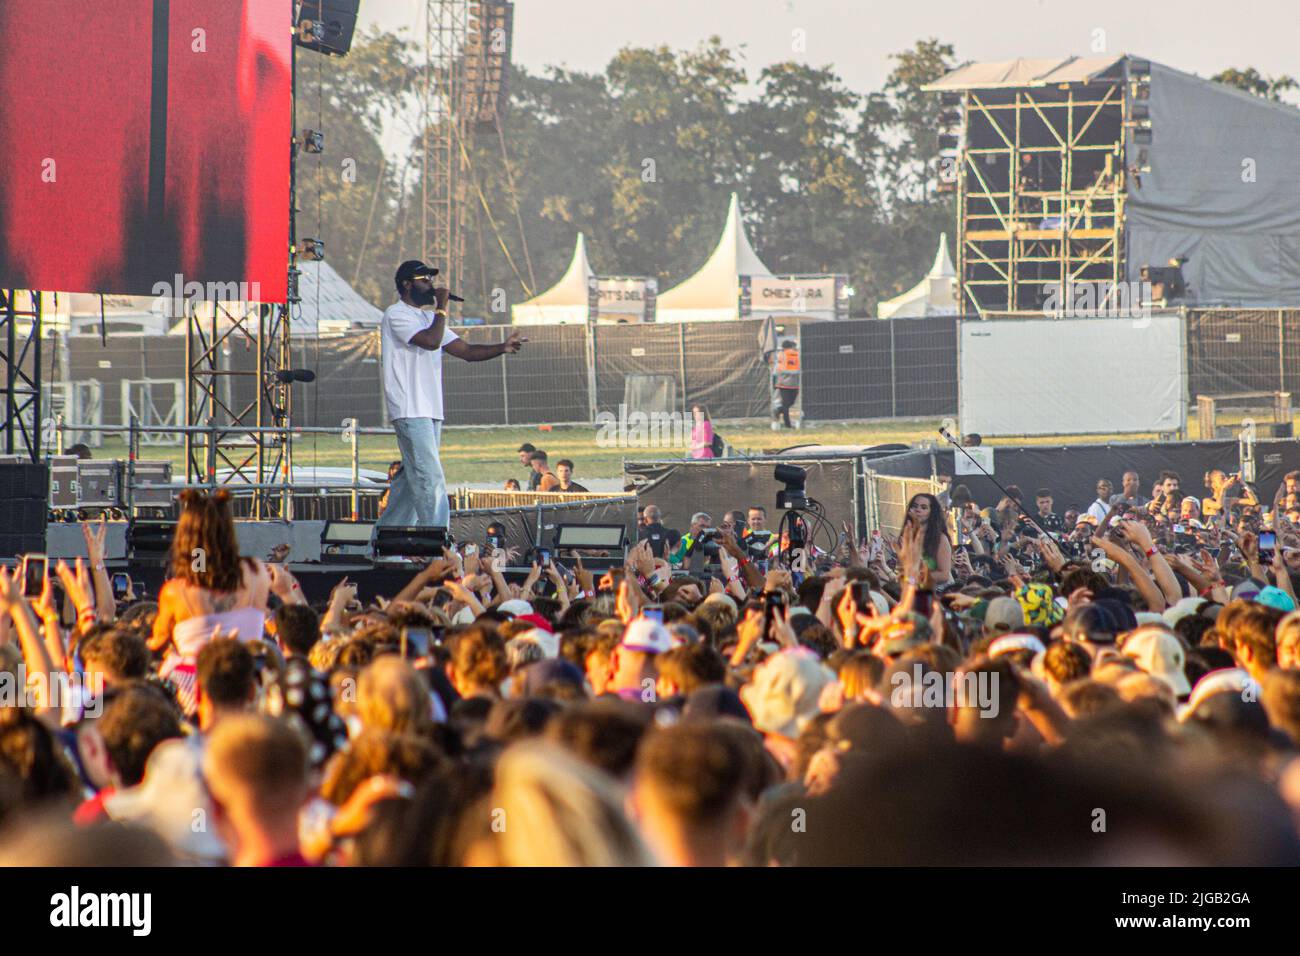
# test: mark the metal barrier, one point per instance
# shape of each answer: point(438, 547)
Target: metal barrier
point(469, 498)
point(887, 497)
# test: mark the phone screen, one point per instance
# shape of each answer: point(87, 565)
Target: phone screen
point(653, 612)
point(34, 566)
point(1267, 541)
point(416, 641)
point(121, 584)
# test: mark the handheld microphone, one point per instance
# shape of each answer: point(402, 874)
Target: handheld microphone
point(453, 297)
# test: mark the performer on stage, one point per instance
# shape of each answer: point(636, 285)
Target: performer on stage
point(413, 343)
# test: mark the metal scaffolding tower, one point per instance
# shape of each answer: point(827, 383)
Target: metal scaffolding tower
point(445, 143)
point(1041, 179)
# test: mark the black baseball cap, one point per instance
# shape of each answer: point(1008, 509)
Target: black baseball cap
point(411, 269)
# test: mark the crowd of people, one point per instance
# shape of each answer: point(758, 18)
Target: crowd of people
point(992, 685)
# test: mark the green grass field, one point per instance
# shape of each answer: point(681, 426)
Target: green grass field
point(489, 454)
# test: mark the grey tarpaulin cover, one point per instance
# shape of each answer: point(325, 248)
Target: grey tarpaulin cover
point(1222, 191)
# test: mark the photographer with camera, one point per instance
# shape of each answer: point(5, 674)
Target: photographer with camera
point(699, 536)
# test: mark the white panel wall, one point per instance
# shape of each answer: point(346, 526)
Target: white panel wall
point(1072, 376)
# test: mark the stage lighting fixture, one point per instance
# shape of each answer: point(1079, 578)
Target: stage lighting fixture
point(313, 141)
point(794, 478)
point(149, 541)
point(1142, 136)
point(313, 249)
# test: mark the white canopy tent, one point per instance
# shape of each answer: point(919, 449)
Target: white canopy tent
point(566, 301)
point(329, 305)
point(713, 293)
point(933, 295)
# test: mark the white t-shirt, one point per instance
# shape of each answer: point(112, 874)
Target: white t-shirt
point(412, 375)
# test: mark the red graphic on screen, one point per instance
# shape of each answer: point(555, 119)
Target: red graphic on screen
point(145, 139)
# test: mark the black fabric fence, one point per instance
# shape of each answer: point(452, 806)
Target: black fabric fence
point(859, 369)
point(682, 487)
point(1071, 472)
point(879, 369)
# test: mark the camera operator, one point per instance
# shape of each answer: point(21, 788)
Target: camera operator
point(662, 540)
point(700, 536)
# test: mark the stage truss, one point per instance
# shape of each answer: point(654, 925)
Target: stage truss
point(20, 366)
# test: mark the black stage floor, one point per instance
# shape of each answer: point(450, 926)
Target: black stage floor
point(317, 580)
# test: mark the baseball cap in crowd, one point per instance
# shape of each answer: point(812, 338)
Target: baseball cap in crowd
point(556, 670)
point(1120, 614)
point(647, 637)
point(1011, 643)
point(515, 607)
point(1234, 681)
point(1232, 715)
point(1246, 590)
point(1160, 654)
point(1003, 615)
point(1187, 607)
point(411, 269)
point(536, 620)
point(866, 727)
point(546, 640)
point(783, 695)
point(713, 701)
point(1276, 598)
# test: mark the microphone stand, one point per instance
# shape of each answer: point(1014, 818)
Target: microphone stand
point(971, 458)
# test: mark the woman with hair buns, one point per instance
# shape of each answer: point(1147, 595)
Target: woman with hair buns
point(211, 590)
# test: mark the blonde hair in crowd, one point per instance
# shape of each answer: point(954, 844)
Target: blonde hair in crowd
point(550, 809)
point(392, 696)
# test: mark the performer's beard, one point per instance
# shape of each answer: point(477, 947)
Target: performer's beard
point(423, 298)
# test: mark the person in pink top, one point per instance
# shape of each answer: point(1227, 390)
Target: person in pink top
point(701, 434)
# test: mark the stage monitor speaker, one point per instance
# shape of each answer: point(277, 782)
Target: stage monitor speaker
point(339, 21)
point(411, 542)
point(24, 508)
point(149, 540)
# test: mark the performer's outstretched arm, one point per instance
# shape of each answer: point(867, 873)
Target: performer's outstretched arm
point(481, 353)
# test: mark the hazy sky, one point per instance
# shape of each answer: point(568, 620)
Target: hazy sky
point(857, 36)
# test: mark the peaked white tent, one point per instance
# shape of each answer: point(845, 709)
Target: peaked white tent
point(713, 293)
point(329, 304)
point(933, 295)
point(566, 301)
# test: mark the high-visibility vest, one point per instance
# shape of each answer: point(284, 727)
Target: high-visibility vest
point(787, 369)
